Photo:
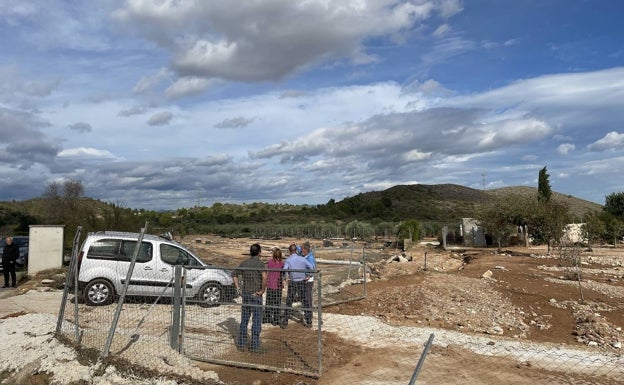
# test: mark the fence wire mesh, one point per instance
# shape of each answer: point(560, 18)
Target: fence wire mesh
point(211, 335)
point(340, 347)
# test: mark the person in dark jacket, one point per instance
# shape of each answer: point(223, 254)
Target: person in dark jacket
point(10, 254)
point(251, 281)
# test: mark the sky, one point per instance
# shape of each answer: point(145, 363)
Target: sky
point(167, 104)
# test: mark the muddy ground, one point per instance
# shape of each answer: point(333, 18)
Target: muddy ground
point(520, 293)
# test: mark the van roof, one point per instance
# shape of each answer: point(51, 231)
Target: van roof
point(128, 235)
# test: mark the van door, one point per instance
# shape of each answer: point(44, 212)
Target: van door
point(143, 281)
point(170, 256)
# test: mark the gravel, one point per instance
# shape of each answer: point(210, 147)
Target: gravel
point(29, 347)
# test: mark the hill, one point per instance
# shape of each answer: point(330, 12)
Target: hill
point(436, 203)
point(578, 207)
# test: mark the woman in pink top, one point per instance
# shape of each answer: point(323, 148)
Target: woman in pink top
point(274, 288)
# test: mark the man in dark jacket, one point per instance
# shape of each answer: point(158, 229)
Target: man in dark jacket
point(10, 254)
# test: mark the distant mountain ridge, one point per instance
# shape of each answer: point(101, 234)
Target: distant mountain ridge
point(439, 202)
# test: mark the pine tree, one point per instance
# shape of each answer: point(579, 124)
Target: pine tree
point(543, 186)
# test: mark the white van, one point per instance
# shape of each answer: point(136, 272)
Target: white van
point(105, 257)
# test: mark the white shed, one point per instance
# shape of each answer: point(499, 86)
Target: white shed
point(45, 247)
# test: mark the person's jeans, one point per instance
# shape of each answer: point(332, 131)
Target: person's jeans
point(309, 286)
point(252, 307)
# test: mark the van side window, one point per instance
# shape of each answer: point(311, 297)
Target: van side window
point(175, 256)
point(104, 249)
point(145, 252)
point(120, 250)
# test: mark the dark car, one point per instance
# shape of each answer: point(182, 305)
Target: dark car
point(22, 243)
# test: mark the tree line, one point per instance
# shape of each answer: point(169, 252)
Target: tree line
point(65, 204)
point(546, 217)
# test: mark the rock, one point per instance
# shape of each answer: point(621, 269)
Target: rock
point(47, 281)
point(487, 275)
point(617, 345)
point(500, 267)
point(497, 330)
point(552, 300)
point(592, 343)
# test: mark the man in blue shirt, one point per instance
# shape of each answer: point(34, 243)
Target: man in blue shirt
point(307, 252)
point(297, 285)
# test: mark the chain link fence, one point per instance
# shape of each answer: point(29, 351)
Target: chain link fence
point(169, 331)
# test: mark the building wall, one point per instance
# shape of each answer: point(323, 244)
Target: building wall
point(45, 248)
point(473, 234)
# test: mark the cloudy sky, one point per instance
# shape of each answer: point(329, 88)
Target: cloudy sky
point(162, 104)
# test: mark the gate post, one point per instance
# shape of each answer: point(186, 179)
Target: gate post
point(174, 333)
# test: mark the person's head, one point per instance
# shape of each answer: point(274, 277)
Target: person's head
point(255, 249)
point(292, 249)
point(305, 248)
point(277, 254)
point(9, 240)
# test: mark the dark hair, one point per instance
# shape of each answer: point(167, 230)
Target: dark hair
point(292, 248)
point(306, 245)
point(255, 249)
point(277, 254)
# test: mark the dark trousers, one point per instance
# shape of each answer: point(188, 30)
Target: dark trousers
point(309, 285)
point(252, 307)
point(273, 302)
point(297, 289)
point(9, 268)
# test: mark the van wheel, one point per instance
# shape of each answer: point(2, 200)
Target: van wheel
point(210, 294)
point(99, 292)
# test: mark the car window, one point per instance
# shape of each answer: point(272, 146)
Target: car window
point(173, 255)
point(117, 249)
point(21, 242)
point(104, 248)
point(145, 252)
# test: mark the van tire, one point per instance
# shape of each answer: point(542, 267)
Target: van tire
point(210, 294)
point(99, 292)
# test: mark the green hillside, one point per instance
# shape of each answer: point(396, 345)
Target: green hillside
point(441, 203)
point(429, 204)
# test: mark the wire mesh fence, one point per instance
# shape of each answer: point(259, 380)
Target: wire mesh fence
point(213, 335)
point(155, 331)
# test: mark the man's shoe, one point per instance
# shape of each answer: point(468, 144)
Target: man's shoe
point(283, 325)
point(14, 285)
point(5, 286)
point(258, 350)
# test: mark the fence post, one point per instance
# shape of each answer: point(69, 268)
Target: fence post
point(72, 276)
point(365, 269)
point(122, 297)
point(421, 361)
point(174, 333)
point(320, 323)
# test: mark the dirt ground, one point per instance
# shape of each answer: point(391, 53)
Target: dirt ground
point(520, 293)
point(471, 299)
